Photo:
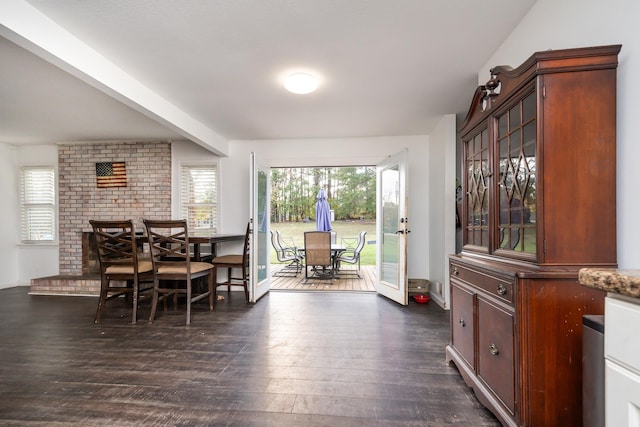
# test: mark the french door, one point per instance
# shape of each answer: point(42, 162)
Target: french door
point(259, 276)
point(392, 228)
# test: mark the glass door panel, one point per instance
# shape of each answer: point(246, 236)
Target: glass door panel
point(478, 167)
point(517, 177)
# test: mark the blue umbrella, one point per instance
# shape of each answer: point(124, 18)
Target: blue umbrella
point(323, 213)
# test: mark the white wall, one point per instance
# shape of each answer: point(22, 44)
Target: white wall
point(36, 260)
point(9, 214)
point(553, 24)
point(20, 263)
point(442, 224)
point(234, 179)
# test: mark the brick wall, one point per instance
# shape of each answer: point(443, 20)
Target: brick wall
point(147, 194)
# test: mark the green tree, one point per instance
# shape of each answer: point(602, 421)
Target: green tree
point(350, 192)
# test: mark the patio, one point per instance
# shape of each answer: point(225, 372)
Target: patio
point(345, 282)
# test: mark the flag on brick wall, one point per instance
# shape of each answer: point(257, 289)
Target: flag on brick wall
point(111, 174)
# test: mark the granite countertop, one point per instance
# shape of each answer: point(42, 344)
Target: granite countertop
point(623, 282)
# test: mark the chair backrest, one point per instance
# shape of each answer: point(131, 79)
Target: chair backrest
point(281, 243)
point(274, 242)
point(361, 242)
point(317, 247)
point(169, 242)
point(276, 245)
point(116, 243)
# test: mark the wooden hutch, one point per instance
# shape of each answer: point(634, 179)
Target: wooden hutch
point(539, 203)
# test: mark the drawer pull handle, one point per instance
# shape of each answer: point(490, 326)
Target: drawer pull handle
point(461, 323)
point(455, 271)
point(493, 349)
point(501, 289)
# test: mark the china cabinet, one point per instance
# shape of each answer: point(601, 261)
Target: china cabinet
point(539, 203)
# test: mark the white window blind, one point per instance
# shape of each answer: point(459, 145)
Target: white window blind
point(198, 196)
point(37, 204)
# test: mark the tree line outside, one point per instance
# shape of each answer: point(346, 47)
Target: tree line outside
point(351, 192)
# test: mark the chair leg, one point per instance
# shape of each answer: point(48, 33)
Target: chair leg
point(214, 273)
point(104, 289)
point(154, 302)
point(211, 289)
point(134, 316)
point(189, 281)
point(245, 283)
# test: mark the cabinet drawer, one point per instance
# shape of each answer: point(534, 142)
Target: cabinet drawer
point(496, 351)
point(622, 332)
point(498, 287)
point(622, 403)
point(462, 323)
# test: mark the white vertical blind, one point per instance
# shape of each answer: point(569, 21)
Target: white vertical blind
point(37, 204)
point(198, 196)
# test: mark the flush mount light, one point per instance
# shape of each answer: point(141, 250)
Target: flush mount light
point(301, 83)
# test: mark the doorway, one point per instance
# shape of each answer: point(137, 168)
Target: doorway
point(351, 193)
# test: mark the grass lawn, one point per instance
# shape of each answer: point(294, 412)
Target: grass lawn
point(347, 234)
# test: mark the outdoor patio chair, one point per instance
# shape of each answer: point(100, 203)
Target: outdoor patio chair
point(288, 255)
point(118, 256)
point(317, 254)
point(169, 243)
point(352, 256)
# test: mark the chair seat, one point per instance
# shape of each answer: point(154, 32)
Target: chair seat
point(352, 258)
point(143, 267)
point(237, 262)
point(196, 267)
point(228, 259)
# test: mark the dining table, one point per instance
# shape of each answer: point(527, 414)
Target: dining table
point(199, 238)
point(202, 237)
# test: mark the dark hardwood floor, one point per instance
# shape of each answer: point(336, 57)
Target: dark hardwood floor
point(292, 359)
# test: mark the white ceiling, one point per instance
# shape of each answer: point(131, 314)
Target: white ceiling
point(387, 67)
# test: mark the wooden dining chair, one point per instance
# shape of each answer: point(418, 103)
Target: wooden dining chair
point(317, 253)
point(233, 262)
point(119, 260)
point(172, 264)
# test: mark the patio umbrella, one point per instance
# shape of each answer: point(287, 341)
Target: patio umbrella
point(323, 213)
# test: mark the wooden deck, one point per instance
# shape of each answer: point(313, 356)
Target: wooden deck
point(347, 281)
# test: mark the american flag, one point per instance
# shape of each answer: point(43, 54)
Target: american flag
point(111, 174)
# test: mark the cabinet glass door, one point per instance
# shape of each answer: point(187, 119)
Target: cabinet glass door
point(477, 198)
point(517, 177)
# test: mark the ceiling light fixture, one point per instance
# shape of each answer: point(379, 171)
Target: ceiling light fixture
point(301, 83)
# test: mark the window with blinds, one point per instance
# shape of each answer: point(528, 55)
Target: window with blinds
point(198, 196)
point(37, 204)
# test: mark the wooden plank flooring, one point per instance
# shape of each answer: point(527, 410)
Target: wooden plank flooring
point(292, 359)
point(347, 281)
